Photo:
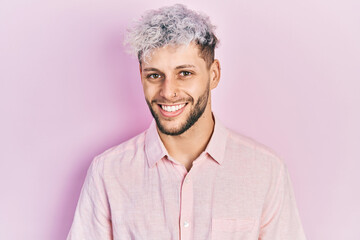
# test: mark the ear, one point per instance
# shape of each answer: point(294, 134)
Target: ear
point(215, 72)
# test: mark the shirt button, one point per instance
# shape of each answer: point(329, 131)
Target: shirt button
point(187, 180)
point(186, 224)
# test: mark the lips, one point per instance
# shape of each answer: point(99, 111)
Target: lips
point(171, 110)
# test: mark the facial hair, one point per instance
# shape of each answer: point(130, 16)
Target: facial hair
point(194, 115)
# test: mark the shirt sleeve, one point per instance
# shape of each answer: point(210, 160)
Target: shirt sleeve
point(280, 217)
point(92, 220)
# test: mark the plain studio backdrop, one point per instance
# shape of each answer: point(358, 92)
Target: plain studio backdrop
point(290, 79)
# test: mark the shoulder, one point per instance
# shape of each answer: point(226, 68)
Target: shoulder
point(253, 149)
point(260, 163)
point(117, 157)
point(127, 147)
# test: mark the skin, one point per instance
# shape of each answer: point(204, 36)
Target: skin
point(181, 70)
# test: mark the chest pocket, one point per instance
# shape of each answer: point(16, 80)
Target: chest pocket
point(233, 228)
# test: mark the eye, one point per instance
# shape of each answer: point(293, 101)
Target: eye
point(185, 73)
point(153, 76)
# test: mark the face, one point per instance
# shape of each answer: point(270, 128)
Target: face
point(177, 84)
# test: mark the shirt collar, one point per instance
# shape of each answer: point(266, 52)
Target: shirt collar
point(217, 144)
point(155, 149)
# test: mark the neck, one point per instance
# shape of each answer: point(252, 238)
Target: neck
point(185, 148)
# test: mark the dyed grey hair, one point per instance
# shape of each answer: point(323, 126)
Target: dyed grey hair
point(173, 25)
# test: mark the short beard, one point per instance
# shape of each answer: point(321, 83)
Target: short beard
point(195, 114)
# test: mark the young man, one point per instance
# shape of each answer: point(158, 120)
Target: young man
point(187, 176)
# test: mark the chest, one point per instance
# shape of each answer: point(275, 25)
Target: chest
point(164, 203)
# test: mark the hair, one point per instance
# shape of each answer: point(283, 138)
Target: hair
point(173, 25)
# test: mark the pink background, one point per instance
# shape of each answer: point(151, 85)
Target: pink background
point(69, 91)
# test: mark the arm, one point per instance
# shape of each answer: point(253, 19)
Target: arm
point(280, 218)
point(92, 220)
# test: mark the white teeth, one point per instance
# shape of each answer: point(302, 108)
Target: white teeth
point(172, 108)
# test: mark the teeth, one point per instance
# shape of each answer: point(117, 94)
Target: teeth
point(172, 108)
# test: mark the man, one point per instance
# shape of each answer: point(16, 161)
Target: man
point(187, 176)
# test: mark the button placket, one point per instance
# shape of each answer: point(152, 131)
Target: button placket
point(186, 214)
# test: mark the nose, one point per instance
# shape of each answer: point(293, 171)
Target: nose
point(169, 88)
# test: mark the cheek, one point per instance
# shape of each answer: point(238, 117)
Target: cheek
point(149, 90)
point(197, 88)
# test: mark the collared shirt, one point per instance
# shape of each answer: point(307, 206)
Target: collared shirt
point(236, 189)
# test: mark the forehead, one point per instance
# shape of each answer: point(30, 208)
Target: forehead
point(171, 56)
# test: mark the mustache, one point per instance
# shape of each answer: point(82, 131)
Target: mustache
point(166, 101)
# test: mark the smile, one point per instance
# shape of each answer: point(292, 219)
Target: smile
point(171, 111)
point(172, 108)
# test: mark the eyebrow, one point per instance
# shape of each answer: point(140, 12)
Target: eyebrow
point(178, 67)
point(150, 69)
point(185, 66)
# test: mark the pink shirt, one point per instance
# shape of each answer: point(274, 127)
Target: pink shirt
point(236, 189)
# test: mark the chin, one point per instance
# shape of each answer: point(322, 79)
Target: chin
point(173, 127)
